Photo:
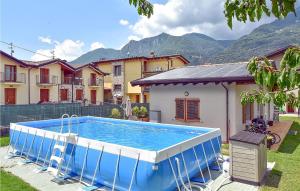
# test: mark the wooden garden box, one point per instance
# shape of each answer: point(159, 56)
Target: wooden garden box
point(248, 156)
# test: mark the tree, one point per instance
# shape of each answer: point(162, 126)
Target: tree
point(143, 7)
point(275, 84)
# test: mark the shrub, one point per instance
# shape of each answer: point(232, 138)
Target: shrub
point(136, 111)
point(143, 111)
point(115, 113)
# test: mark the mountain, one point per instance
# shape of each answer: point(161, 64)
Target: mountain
point(262, 40)
point(199, 48)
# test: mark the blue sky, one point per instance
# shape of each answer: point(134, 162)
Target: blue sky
point(70, 27)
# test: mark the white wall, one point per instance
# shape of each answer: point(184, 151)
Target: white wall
point(212, 104)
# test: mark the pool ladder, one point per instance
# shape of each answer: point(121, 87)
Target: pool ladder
point(60, 146)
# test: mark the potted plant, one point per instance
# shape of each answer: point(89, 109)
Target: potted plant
point(269, 141)
point(115, 113)
point(136, 111)
point(143, 114)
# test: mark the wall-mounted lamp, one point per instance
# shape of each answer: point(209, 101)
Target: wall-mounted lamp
point(186, 93)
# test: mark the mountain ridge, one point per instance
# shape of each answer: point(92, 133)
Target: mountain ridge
point(199, 48)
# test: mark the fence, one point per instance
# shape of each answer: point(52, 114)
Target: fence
point(17, 113)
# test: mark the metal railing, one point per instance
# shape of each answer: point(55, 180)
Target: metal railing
point(13, 77)
point(31, 112)
point(71, 80)
point(95, 82)
point(46, 79)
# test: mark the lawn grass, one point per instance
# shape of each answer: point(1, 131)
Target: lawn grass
point(4, 141)
point(9, 182)
point(285, 175)
point(225, 149)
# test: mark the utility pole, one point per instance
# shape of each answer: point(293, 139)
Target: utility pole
point(11, 47)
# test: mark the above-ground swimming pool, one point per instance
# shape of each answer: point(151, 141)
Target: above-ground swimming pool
point(122, 154)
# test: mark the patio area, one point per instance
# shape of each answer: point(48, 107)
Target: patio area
point(281, 128)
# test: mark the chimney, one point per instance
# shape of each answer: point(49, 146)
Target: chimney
point(152, 54)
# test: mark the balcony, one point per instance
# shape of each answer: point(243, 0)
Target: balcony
point(70, 80)
point(95, 82)
point(152, 72)
point(46, 80)
point(12, 78)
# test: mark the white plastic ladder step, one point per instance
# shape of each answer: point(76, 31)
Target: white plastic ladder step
point(53, 171)
point(61, 148)
point(57, 159)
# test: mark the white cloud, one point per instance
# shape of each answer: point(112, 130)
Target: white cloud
point(45, 39)
point(67, 49)
point(178, 17)
point(96, 45)
point(124, 22)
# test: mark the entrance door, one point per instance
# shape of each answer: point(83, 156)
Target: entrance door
point(93, 96)
point(137, 99)
point(10, 95)
point(79, 94)
point(44, 95)
point(289, 109)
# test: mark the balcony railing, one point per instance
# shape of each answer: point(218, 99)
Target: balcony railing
point(78, 81)
point(95, 82)
point(46, 80)
point(8, 77)
point(71, 80)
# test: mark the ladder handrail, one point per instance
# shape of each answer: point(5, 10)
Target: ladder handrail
point(68, 163)
point(72, 116)
point(62, 122)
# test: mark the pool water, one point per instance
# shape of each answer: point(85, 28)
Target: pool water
point(146, 136)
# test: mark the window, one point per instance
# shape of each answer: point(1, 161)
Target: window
point(247, 112)
point(44, 75)
point(117, 70)
point(117, 87)
point(187, 109)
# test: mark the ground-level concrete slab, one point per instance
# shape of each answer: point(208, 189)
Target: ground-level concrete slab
point(42, 181)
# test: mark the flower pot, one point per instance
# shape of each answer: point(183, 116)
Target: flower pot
point(270, 123)
point(146, 119)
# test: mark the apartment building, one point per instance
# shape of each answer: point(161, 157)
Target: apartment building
point(27, 82)
point(123, 71)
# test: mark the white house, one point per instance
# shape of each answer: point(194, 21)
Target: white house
point(205, 95)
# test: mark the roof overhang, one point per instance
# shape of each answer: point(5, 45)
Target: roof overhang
point(13, 58)
point(185, 81)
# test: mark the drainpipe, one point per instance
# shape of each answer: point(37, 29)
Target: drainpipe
point(29, 85)
point(227, 111)
point(72, 91)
